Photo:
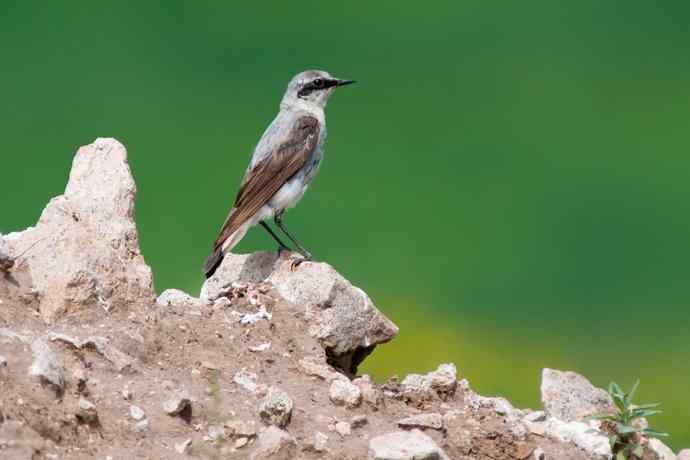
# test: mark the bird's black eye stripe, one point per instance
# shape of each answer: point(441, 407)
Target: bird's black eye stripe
point(314, 85)
point(318, 83)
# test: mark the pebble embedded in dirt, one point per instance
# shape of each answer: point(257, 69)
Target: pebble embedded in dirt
point(87, 412)
point(344, 392)
point(274, 444)
point(405, 445)
point(276, 407)
point(46, 365)
point(178, 404)
point(183, 446)
point(136, 412)
point(432, 420)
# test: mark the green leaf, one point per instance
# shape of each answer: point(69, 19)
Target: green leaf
point(626, 429)
point(613, 440)
point(615, 390)
point(609, 417)
point(653, 433)
point(638, 413)
point(629, 396)
point(621, 456)
point(638, 450)
point(647, 406)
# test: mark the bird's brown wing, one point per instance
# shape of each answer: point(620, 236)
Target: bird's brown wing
point(269, 175)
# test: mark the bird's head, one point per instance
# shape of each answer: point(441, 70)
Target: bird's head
point(311, 87)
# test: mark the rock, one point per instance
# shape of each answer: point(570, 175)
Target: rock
point(343, 429)
point(343, 392)
point(441, 382)
point(216, 433)
point(136, 412)
point(358, 421)
point(241, 428)
point(538, 454)
point(683, 454)
point(660, 450)
point(126, 394)
point(141, 426)
point(261, 347)
point(46, 366)
point(178, 404)
point(570, 397)
point(405, 445)
point(183, 447)
point(237, 268)
point(432, 420)
point(3, 361)
point(84, 251)
point(87, 412)
point(319, 442)
point(241, 442)
point(312, 366)
point(276, 408)
point(274, 444)
point(178, 298)
point(102, 345)
point(536, 416)
point(340, 316)
point(251, 318)
point(246, 380)
point(370, 394)
point(583, 435)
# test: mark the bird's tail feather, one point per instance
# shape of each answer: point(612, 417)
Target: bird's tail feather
point(213, 261)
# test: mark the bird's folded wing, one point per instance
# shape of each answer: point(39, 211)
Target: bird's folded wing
point(270, 174)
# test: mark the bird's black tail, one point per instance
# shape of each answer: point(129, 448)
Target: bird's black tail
point(213, 262)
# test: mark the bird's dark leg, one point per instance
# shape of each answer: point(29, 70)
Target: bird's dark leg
point(278, 219)
point(281, 245)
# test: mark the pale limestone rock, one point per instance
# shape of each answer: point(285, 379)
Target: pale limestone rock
point(339, 315)
point(84, 251)
point(136, 412)
point(570, 397)
point(584, 435)
point(683, 454)
point(660, 450)
point(46, 366)
point(370, 393)
point(178, 298)
point(405, 445)
point(276, 408)
point(102, 345)
point(177, 404)
point(441, 382)
point(274, 444)
point(344, 393)
point(430, 420)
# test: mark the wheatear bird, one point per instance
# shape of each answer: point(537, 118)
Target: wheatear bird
point(284, 162)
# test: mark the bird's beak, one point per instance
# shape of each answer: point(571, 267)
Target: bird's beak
point(344, 82)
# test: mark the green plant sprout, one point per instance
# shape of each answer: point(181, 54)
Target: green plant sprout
point(626, 428)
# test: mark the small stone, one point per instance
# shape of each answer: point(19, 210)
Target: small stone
point(241, 428)
point(209, 365)
point(312, 366)
point(433, 421)
point(183, 446)
point(405, 445)
point(538, 428)
point(343, 429)
point(246, 380)
point(370, 394)
point(177, 404)
point(538, 454)
point(320, 441)
point(241, 442)
point(260, 347)
point(126, 394)
point(276, 407)
point(142, 426)
point(216, 433)
point(274, 444)
point(87, 412)
point(45, 365)
point(3, 361)
point(136, 412)
point(536, 416)
point(344, 392)
point(358, 421)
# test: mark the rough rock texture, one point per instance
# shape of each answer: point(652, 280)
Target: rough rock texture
point(660, 450)
point(683, 454)
point(258, 368)
point(570, 397)
point(84, 251)
point(340, 316)
point(403, 445)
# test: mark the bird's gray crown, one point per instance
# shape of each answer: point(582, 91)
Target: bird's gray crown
point(311, 88)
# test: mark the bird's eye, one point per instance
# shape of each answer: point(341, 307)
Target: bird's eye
point(318, 83)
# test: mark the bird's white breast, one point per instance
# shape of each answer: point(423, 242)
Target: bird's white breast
point(288, 195)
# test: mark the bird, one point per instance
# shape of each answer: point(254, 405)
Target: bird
point(285, 161)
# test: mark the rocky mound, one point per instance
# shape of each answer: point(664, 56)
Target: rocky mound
point(262, 365)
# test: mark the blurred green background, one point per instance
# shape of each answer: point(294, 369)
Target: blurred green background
point(509, 180)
